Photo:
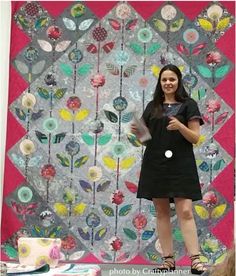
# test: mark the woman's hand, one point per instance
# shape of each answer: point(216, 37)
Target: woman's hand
point(134, 129)
point(174, 124)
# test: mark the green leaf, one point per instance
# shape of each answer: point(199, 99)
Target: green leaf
point(41, 137)
point(103, 186)
point(137, 48)
point(222, 71)
point(58, 138)
point(104, 139)
point(55, 232)
point(59, 93)
point(10, 251)
point(176, 25)
point(114, 70)
point(43, 93)
point(219, 165)
point(100, 234)
point(107, 210)
point(65, 162)
point(199, 94)
point(177, 235)
point(129, 71)
point(147, 234)
point(153, 48)
point(41, 22)
point(204, 71)
point(111, 116)
point(133, 140)
point(130, 233)
point(88, 139)
point(81, 161)
point(152, 257)
point(66, 69)
point(125, 210)
point(84, 69)
point(20, 114)
point(160, 25)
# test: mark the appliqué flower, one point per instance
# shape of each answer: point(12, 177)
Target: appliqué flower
point(139, 221)
point(120, 103)
point(211, 151)
point(144, 35)
point(96, 126)
point(99, 34)
point(41, 260)
point(47, 218)
point(24, 250)
point(50, 125)
point(75, 56)
point(69, 195)
point(97, 80)
point(31, 54)
point(72, 148)
point(118, 149)
point(68, 242)
point(27, 147)
point(28, 101)
point(73, 103)
point(213, 58)
point(123, 11)
point(213, 106)
point(121, 57)
point(25, 194)
point(77, 10)
point(209, 199)
point(115, 243)
point(168, 12)
point(54, 32)
point(92, 220)
point(94, 173)
point(191, 36)
point(117, 197)
point(190, 81)
point(48, 171)
point(50, 80)
point(31, 9)
point(143, 82)
point(214, 12)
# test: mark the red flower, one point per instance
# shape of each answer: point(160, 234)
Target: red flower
point(99, 34)
point(97, 80)
point(213, 106)
point(54, 32)
point(48, 171)
point(117, 197)
point(73, 103)
point(213, 58)
point(115, 243)
point(140, 221)
point(209, 198)
point(68, 242)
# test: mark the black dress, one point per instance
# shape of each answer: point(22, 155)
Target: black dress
point(177, 176)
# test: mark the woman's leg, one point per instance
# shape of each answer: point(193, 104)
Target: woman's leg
point(162, 207)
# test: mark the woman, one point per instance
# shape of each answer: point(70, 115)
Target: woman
point(169, 172)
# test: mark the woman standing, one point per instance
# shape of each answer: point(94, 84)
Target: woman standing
point(169, 172)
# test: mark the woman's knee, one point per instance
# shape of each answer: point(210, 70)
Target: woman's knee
point(186, 214)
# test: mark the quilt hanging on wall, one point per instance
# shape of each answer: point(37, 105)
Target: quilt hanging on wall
point(78, 72)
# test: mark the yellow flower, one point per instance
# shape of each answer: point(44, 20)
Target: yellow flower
point(24, 250)
point(28, 101)
point(61, 209)
point(94, 173)
point(41, 260)
point(44, 242)
point(27, 147)
point(79, 208)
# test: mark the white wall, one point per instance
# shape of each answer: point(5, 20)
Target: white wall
point(5, 27)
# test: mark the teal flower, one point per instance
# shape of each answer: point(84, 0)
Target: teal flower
point(50, 125)
point(120, 103)
point(75, 56)
point(121, 57)
point(25, 194)
point(191, 36)
point(144, 35)
point(118, 149)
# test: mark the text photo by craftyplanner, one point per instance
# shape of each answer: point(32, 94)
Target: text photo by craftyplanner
point(80, 74)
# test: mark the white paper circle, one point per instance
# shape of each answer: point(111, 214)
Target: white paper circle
point(168, 154)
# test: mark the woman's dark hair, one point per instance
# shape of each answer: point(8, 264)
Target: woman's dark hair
point(158, 98)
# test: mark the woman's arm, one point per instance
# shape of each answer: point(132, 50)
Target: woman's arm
point(190, 132)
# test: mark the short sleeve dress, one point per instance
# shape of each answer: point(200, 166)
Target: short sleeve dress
point(177, 176)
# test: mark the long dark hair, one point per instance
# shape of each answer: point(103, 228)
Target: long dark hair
point(158, 98)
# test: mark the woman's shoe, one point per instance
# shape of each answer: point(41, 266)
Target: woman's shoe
point(167, 265)
point(197, 267)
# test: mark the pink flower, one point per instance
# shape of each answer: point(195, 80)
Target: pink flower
point(54, 32)
point(213, 106)
point(73, 103)
point(97, 80)
point(213, 58)
point(143, 82)
point(48, 171)
point(209, 198)
point(99, 34)
point(140, 221)
point(68, 242)
point(115, 243)
point(117, 197)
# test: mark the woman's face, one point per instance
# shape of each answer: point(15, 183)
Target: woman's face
point(169, 82)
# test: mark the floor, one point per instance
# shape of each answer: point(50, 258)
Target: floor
point(139, 270)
